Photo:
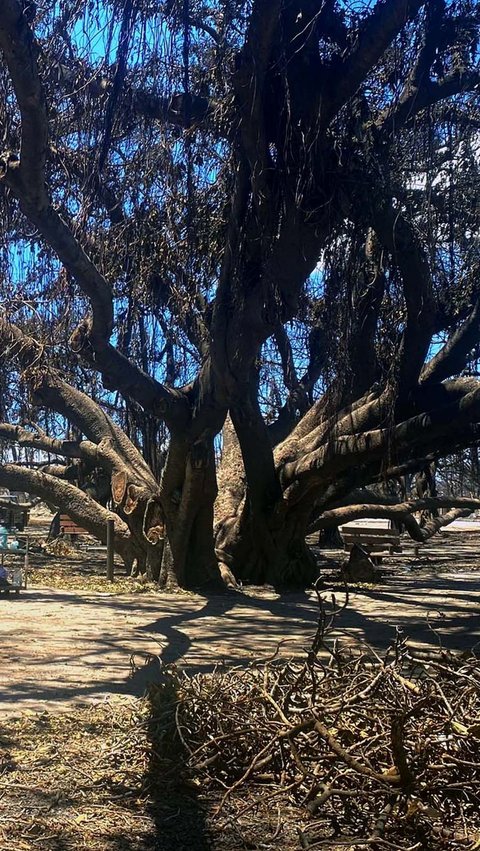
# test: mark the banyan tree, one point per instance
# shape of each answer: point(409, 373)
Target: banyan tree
point(239, 269)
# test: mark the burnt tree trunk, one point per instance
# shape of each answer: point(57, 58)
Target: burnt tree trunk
point(309, 150)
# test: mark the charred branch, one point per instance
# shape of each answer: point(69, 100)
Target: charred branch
point(374, 35)
point(66, 448)
point(425, 96)
point(453, 356)
point(401, 513)
point(20, 53)
point(399, 238)
point(85, 511)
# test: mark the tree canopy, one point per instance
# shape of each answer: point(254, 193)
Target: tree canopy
point(255, 220)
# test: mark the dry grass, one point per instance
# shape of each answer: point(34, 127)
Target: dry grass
point(76, 780)
point(86, 576)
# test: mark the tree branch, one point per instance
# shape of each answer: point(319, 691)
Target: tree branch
point(374, 36)
point(298, 400)
point(452, 357)
point(360, 371)
point(286, 355)
point(402, 513)
point(80, 507)
point(399, 237)
point(250, 85)
point(171, 110)
point(382, 450)
point(20, 52)
point(428, 94)
point(85, 449)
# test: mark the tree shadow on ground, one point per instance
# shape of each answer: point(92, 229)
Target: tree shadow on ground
point(447, 613)
point(179, 815)
point(234, 628)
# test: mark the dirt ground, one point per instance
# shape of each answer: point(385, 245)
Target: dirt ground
point(66, 648)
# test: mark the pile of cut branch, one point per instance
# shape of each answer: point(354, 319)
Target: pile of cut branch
point(343, 749)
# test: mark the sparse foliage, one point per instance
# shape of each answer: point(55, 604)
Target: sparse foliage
point(254, 219)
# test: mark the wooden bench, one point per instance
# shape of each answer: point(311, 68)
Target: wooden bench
point(69, 527)
point(376, 541)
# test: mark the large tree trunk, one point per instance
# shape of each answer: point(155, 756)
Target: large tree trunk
point(311, 147)
point(268, 497)
point(188, 491)
point(317, 469)
point(258, 540)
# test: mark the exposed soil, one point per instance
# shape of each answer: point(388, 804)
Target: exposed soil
point(62, 648)
point(82, 777)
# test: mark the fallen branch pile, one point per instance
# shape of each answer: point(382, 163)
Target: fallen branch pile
point(342, 749)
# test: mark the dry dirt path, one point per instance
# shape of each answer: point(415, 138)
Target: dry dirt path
point(60, 648)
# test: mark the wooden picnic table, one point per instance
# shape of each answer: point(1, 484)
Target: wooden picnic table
point(376, 541)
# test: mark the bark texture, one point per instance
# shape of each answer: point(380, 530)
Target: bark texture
point(308, 113)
